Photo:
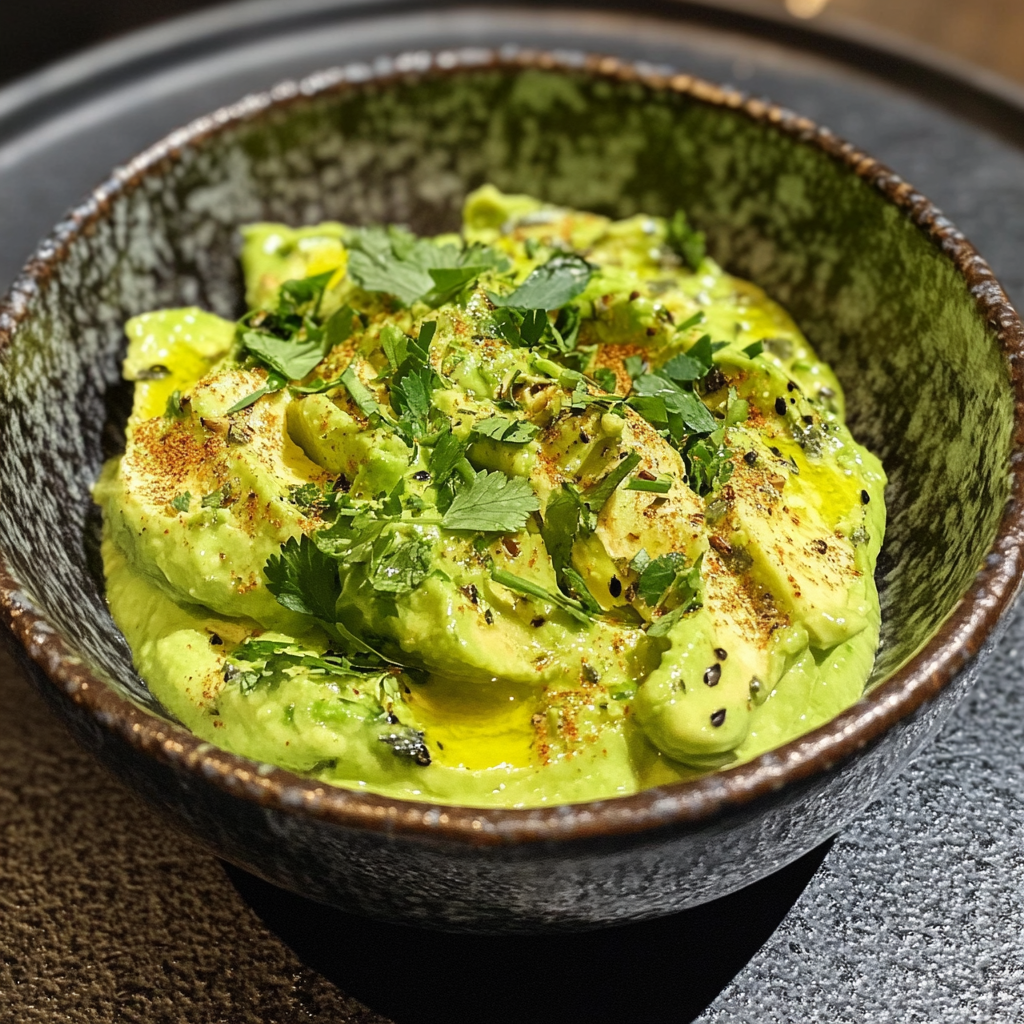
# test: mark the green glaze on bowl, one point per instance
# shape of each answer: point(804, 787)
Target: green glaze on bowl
point(919, 332)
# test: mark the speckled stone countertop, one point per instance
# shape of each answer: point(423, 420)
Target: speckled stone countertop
point(916, 912)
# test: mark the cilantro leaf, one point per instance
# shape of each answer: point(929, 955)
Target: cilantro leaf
point(693, 321)
point(669, 577)
point(708, 463)
point(551, 285)
point(498, 428)
point(339, 326)
point(275, 382)
point(298, 292)
point(530, 589)
point(492, 503)
point(174, 409)
point(292, 359)
point(395, 343)
point(606, 378)
point(182, 502)
point(403, 568)
point(449, 451)
point(361, 394)
point(218, 498)
point(692, 414)
point(596, 496)
point(635, 366)
point(304, 579)
point(449, 281)
point(562, 522)
point(753, 350)
point(691, 245)
point(394, 261)
point(691, 365)
point(579, 587)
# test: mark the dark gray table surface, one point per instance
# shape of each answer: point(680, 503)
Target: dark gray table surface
point(917, 913)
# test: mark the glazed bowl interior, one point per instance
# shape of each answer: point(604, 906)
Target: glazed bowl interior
point(927, 387)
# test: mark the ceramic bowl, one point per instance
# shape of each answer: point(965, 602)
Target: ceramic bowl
point(920, 333)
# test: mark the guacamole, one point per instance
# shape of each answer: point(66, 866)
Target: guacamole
point(547, 511)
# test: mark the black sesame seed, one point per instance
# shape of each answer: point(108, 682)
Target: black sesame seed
point(537, 622)
point(790, 386)
point(721, 653)
point(421, 475)
point(215, 640)
point(718, 717)
point(712, 675)
point(808, 420)
point(584, 437)
point(864, 497)
point(780, 406)
point(615, 586)
point(750, 458)
point(489, 617)
point(392, 719)
point(776, 453)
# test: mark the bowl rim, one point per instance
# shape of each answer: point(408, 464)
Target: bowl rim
point(959, 639)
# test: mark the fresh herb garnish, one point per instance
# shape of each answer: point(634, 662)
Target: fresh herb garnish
point(569, 605)
point(492, 503)
point(668, 582)
point(595, 497)
point(565, 518)
point(753, 350)
point(174, 410)
point(606, 378)
point(271, 662)
point(691, 245)
point(396, 262)
point(498, 428)
point(402, 567)
point(551, 285)
point(218, 498)
point(182, 502)
point(662, 485)
point(448, 453)
point(275, 382)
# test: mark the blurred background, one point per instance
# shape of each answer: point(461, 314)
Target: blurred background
point(988, 32)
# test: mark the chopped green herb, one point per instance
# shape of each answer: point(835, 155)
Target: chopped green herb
point(693, 321)
point(689, 244)
point(551, 285)
point(492, 503)
point(660, 486)
point(174, 410)
point(606, 378)
point(446, 456)
point(754, 350)
point(275, 382)
point(595, 497)
point(182, 502)
point(498, 428)
point(218, 498)
point(572, 607)
point(403, 568)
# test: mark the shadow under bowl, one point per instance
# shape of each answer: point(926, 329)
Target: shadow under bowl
point(918, 330)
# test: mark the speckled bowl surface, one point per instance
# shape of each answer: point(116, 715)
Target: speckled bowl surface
point(921, 335)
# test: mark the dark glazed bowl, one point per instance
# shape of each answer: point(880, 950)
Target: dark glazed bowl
point(919, 331)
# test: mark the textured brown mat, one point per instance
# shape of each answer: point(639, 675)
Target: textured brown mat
point(107, 914)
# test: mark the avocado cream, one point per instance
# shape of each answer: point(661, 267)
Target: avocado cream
point(548, 511)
